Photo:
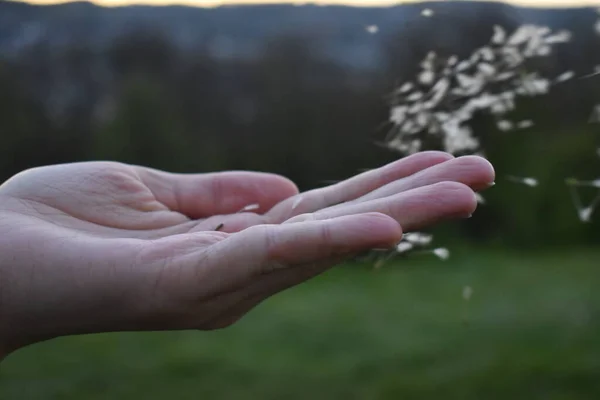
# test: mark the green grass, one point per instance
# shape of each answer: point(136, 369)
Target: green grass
point(533, 332)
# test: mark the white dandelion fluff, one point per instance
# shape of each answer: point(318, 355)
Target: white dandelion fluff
point(442, 253)
point(403, 247)
point(527, 181)
point(467, 292)
point(250, 207)
point(372, 29)
point(427, 12)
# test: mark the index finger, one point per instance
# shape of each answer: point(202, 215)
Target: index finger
point(355, 186)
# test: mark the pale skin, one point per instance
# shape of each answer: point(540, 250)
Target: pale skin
point(103, 247)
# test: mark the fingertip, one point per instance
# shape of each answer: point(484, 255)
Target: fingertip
point(482, 171)
point(377, 220)
point(459, 198)
point(379, 229)
point(287, 185)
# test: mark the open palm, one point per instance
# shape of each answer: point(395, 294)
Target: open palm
point(106, 246)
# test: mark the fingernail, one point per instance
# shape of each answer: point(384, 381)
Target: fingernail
point(490, 184)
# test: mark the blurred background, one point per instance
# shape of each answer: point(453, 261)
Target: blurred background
point(303, 90)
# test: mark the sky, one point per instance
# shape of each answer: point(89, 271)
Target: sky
point(215, 3)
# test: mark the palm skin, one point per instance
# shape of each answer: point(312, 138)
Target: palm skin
point(103, 246)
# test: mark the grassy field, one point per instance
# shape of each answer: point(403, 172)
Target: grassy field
point(532, 332)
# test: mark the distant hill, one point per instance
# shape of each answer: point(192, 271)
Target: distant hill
point(240, 31)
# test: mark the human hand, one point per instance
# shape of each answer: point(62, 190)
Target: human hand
point(102, 246)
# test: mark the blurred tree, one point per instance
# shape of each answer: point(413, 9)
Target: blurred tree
point(27, 137)
point(143, 51)
point(146, 130)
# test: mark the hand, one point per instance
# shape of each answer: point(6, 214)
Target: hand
point(102, 246)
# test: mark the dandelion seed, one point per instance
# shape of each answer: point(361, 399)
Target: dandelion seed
point(559, 37)
point(504, 125)
point(534, 86)
point(504, 76)
point(499, 35)
point(467, 293)
point(426, 77)
point(463, 65)
point(595, 116)
point(250, 207)
point(296, 203)
point(379, 263)
point(527, 181)
point(530, 182)
point(575, 182)
point(572, 181)
point(486, 69)
point(415, 96)
point(442, 253)
point(422, 119)
point(596, 71)
point(521, 35)
point(409, 127)
point(398, 114)
point(479, 198)
point(403, 247)
point(372, 29)
point(544, 51)
point(418, 238)
point(458, 138)
point(512, 57)
point(411, 147)
point(470, 84)
point(499, 108)
point(439, 90)
point(487, 54)
point(525, 124)
point(406, 87)
point(427, 63)
point(483, 101)
point(565, 76)
point(585, 214)
point(475, 57)
point(427, 12)
point(541, 30)
point(416, 108)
